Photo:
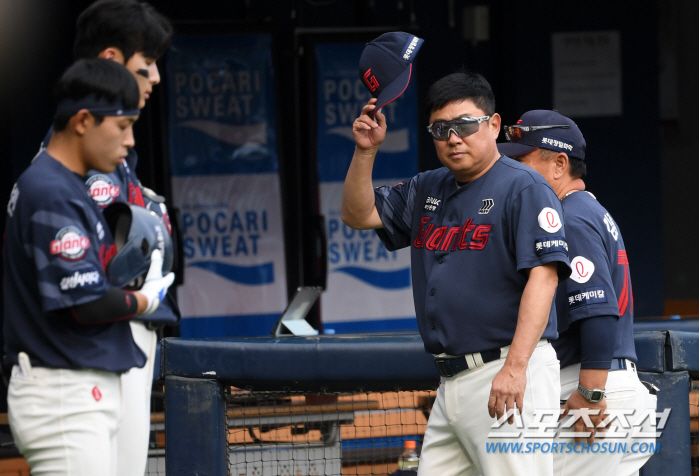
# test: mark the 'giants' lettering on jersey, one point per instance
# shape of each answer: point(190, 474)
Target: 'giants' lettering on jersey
point(446, 238)
point(102, 190)
point(70, 243)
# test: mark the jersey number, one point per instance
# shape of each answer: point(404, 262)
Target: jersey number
point(626, 296)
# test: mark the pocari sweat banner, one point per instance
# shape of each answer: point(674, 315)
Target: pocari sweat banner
point(223, 158)
point(368, 288)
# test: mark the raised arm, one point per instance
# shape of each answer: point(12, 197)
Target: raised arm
point(358, 206)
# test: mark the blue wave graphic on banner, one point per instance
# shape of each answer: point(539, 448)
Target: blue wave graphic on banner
point(251, 275)
point(397, 279)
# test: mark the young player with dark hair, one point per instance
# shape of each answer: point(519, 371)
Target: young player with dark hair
point(483, 283)
point(134, 34)
point(67, 332)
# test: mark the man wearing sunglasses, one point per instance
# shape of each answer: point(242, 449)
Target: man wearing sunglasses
point(595, 305)
point(487, 249)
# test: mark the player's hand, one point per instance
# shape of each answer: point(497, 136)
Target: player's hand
point(507, 391)
point(576, 402)
point(156, 285)
point(369, 134)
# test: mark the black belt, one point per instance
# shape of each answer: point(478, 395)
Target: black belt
point(450, 366)
point(620, 364)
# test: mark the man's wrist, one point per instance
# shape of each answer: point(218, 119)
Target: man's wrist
point(593, 395)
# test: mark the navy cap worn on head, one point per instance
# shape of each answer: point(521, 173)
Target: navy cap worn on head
point(570, 140)
point(386, 65)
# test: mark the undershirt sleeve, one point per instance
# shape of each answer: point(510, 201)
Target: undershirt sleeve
point(597, 340)
point(114, 305)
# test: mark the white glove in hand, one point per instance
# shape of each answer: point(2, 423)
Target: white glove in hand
point(156, 285)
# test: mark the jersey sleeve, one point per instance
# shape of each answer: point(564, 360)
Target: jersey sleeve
point(65, 240)
point(395, 205)
point(589, 290)
point(538, 230)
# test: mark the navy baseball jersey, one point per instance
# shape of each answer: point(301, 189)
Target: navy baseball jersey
point(123, 185)
point(600, 282)
point(470, 249)
point(56, 247)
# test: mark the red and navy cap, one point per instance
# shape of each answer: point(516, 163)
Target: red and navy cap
point(570, 140)
point(386, 65)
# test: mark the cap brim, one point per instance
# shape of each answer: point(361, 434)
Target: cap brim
point(394, 90)
point(511, 149)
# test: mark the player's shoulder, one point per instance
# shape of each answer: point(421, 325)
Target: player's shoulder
point(514, 178)
point(47, 181)
point(582, 207)
point(430, 178)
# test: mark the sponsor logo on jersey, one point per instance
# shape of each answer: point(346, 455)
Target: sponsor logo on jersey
point(70, 243)
point(549, 220)
point(431, 204)
point(102, 190)
point(487, 205)
point(550, 244)
point(557, 143)
point(583, 269)
point(587, 296)
point(443, 238)
point(409, 50)
point(80, 279)
point(14, 195)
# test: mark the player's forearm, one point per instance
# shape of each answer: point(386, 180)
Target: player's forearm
point(358, 205)
point(534, 309)
point(593, 378)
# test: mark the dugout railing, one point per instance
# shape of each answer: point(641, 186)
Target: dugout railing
point(344, 404)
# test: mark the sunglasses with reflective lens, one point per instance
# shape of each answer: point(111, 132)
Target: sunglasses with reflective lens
point(516, 133)
point(462, 127)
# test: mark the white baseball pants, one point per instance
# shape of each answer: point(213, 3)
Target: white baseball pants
point(64, 421)
point(456, 437)
point(133, 432)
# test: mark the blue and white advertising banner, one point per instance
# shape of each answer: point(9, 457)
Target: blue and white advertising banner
point(225, 180)
point(369, 288)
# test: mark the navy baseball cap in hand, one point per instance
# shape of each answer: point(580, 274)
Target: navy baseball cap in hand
point(543, 129)
point(386, 65)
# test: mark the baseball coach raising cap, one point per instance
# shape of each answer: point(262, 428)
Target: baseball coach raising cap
point(386, 65)
point(543, 129)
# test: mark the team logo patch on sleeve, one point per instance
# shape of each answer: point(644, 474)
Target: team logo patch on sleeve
point(582, 268)
point(83, 278)
point(550, 244)
point(549, 220)
point(70, 243)
point(587, 296)
point(102, 190)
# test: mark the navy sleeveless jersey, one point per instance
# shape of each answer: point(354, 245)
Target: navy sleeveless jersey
point(470, 248)
point(600, 282)
point(123, 185)
point(56, 246)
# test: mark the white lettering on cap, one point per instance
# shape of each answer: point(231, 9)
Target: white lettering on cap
point(410, 48)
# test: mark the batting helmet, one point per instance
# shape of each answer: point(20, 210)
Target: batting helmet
point(136, 231)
